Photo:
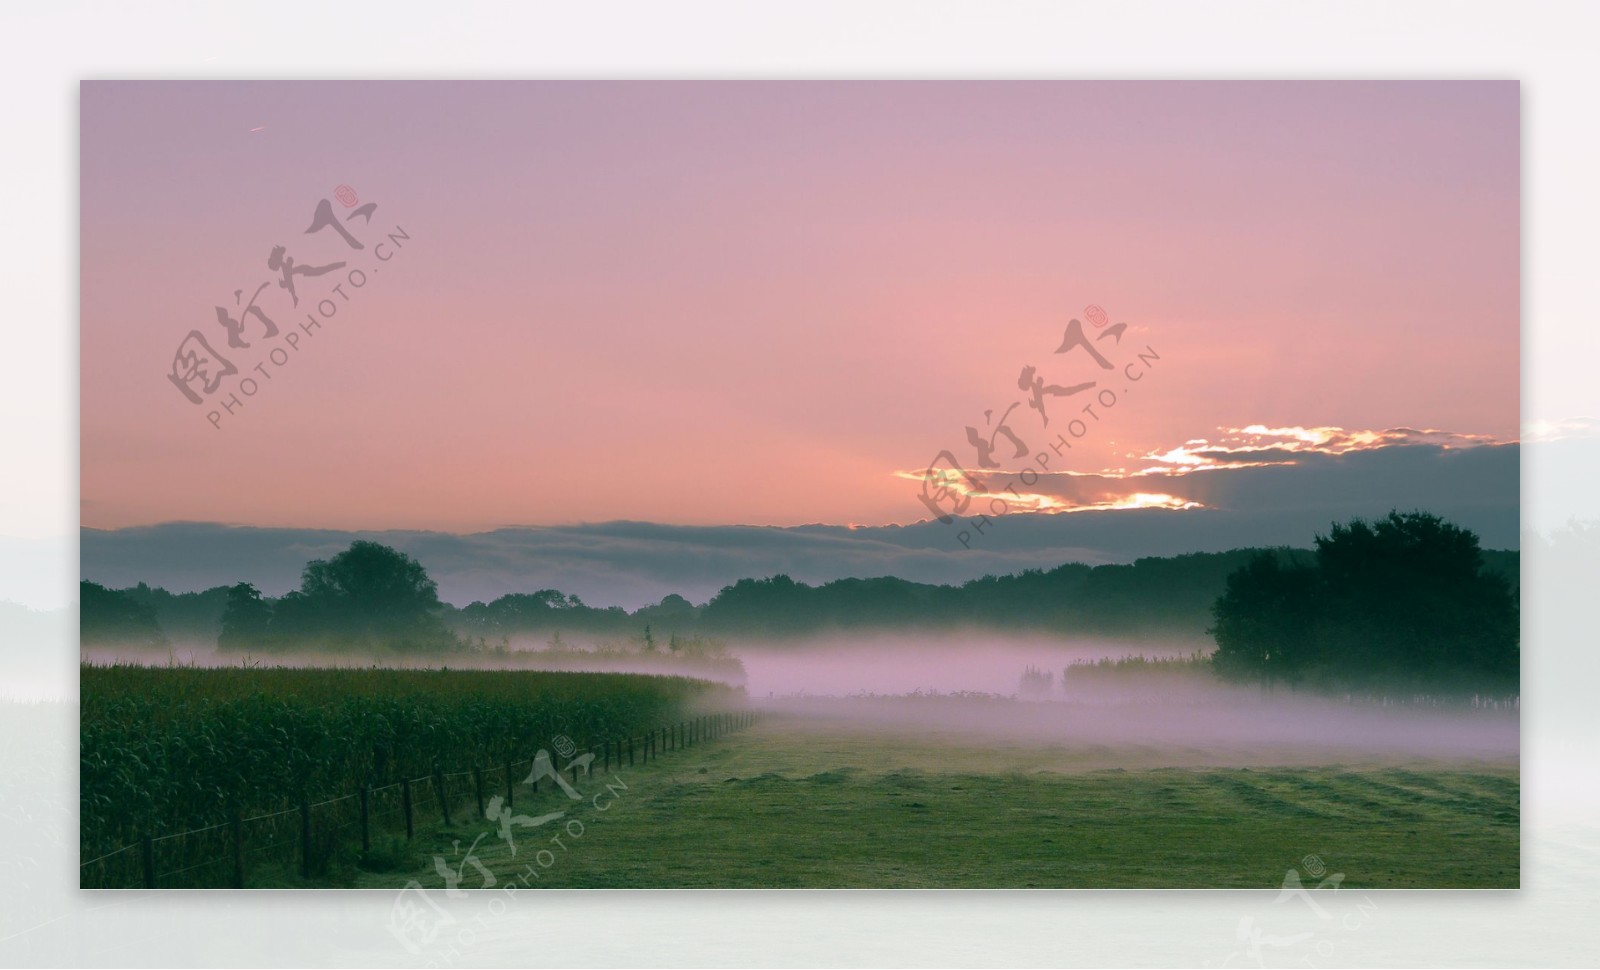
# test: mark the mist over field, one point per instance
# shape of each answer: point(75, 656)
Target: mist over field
point(980, 661)
point(1099, 716)
point(966, 689)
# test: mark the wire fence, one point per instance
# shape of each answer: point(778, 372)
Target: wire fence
point(306, 839)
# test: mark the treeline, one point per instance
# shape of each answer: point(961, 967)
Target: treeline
point(372, 595)
point(1406, 601)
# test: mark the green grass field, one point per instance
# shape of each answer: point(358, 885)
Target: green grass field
point(810, 803)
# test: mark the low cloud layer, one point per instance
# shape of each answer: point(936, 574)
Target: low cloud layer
point(630, 564)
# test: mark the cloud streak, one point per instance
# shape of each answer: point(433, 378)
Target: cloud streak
point(633, 563)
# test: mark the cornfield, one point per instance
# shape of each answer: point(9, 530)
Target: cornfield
point(185, 749)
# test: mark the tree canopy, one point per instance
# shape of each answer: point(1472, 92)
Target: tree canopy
point(1404, 601)
point(110, 616)
point(369, 596)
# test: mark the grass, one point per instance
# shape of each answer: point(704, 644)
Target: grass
point(793, 804)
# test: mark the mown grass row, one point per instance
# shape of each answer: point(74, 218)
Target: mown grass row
point(170, 749)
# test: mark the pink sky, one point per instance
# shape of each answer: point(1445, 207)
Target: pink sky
point(756, 303)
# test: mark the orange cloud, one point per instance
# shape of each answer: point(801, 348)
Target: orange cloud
point(1253, 446)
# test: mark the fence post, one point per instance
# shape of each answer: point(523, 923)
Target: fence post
point(238, 849)
point(509, 793)
point(366, 819)
point(630, 752)
point(607, 746)
point(405, 801)
point(444, 799)
point(305, 839)
point(147, 849)
point(477, 785)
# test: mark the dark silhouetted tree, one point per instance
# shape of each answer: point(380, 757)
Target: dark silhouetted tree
point(246, 619)
point(1262, 619)
point(109, 616)
point(1404, 601)
point(370, 596)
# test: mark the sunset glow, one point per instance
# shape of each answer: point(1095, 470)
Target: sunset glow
point(704, 303)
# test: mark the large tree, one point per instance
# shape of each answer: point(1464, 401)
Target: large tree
point(1404, 601)
point(246, 619)
point(367, 596)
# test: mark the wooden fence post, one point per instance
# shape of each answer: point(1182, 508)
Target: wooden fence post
point(509, 793)
point(444, 798)
point(477, 786)
point(405, 802)
point(238, 849)
point(630, 752)
point(366, 819)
